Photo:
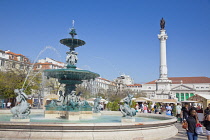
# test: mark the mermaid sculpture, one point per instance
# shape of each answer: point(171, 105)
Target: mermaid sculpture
point(22, 107)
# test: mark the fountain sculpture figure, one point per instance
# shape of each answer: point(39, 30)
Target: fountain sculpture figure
point(125, 109)
point(22, 108)
point(96, 107)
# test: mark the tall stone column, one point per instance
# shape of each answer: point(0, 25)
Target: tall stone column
point(163, 64)
point(163, 84)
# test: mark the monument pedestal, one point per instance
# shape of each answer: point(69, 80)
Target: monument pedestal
point(19, 120)
point(74, 116)
point(49, 114)
point(97, 114)
point(127, 120)
point(86, 114)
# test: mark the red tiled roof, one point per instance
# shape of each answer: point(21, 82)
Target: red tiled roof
point(134, 85)
point(186, 80)
point(14, 53)
point(103, 79)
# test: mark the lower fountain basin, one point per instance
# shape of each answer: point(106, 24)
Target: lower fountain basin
point(89, 129)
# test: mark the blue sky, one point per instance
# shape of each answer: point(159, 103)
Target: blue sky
point(120, 35)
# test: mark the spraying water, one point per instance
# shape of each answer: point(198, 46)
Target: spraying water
point(31, 69)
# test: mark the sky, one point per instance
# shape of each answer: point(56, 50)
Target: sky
point(120, 35)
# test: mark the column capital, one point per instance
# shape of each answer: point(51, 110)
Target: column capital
point(162, 37)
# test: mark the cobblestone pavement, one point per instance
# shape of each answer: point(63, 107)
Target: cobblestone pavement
point(182, 134)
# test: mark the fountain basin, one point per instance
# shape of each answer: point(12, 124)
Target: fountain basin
point(90, 131)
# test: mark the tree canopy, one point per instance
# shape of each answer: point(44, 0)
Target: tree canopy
point(11, 80)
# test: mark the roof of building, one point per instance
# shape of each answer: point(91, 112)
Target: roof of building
point(103, 79)
point(186, 80)
point(134, 85)
point(14, 53)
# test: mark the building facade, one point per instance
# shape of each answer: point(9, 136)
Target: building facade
point(12, 61)
point(99, 85)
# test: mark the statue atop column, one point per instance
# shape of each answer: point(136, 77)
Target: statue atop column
point(162, 24)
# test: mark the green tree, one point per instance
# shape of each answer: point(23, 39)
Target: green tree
point(11, 80)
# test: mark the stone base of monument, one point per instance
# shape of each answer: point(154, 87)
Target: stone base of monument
point(19, 120)
point(86, 114)
point(49, 114)
point(127, 120)
point(97, 114)
point(73, 116)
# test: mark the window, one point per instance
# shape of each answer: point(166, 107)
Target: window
point(2, 62)
point(182, 96)
point(177, 96)
point(197, 87)
point(21, 58)
point(149, 87)
point(202, 87)
point(207, 87)
point(13, 65)
point(191, 94)
point(187, 96)
point(21, 66)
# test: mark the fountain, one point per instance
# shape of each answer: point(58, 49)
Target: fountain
point(79, 120)
point(70, 106)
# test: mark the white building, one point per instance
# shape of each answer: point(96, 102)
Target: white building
point(181, 88)
point(136, 88)
point(48, 63)
point(13, 61)
point(99, 85)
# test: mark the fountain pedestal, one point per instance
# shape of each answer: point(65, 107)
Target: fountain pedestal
point(86, 114)
point(20, 120)
point(128, 120)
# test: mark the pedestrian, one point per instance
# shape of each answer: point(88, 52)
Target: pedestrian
point(137, 107)
point(4, 105)
point(9, 104)
point(145, 108)
point(172, 107)
point(178, 112)
point(168, 110)
point(192, 120)
point(207, 110)
point(185, 111)
point(207, 125)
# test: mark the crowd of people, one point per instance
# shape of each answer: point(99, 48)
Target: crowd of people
point(186, 114)
point(6, 105)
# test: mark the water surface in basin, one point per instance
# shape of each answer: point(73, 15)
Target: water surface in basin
point(95, 119)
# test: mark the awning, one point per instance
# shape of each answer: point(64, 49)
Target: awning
point(142, 99)
point(165, 100)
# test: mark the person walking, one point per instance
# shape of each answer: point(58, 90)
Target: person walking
point(192, 120)
point(145, 108)
point(9, 104)
point(168, 110)
point(207, 125)
point(178, 112)
point(207, 110)
point(185, 111)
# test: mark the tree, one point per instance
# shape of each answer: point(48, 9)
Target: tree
point(85, 92)
point(11, 80)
